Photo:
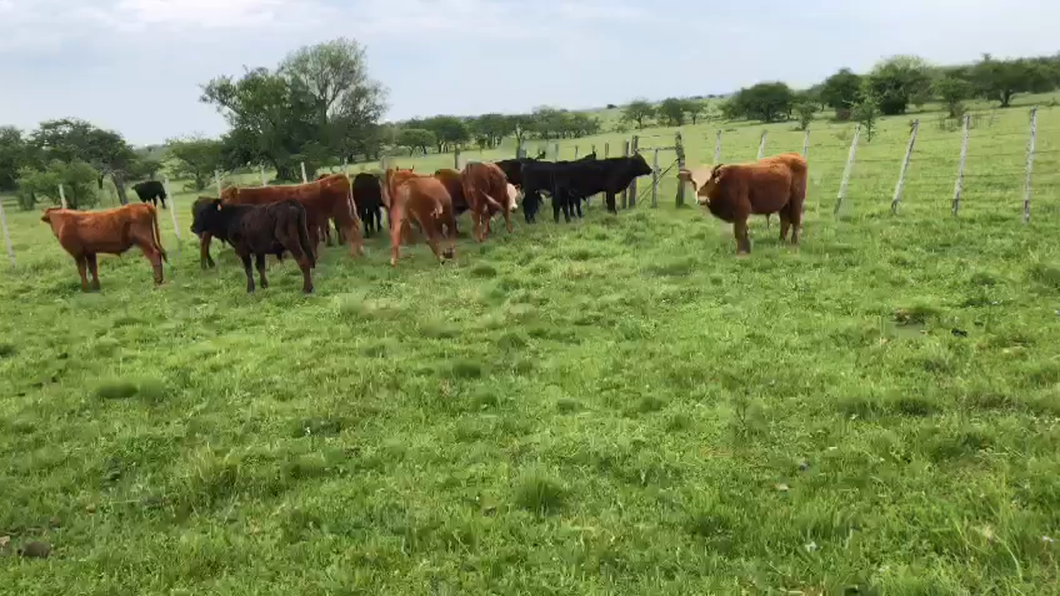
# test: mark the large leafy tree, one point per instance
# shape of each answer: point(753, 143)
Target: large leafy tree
point(77, 178)
point(415, 138)
point(897, 82)
point(841, 92)
point(69, 140)
point(1000, 80)
point(15, 152)
point(672, 111)
point(639, 112)
point(768, 102)
point(317, 100)
point(197, 158)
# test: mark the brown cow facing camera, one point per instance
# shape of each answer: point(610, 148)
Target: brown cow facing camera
point(114, 231)
point(423, 199)
point(734, 192)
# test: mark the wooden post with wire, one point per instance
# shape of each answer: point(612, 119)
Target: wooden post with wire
point(905, 167)
point(958, 185)
point(1030, 166)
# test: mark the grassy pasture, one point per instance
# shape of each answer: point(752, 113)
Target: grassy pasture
point(615, 406)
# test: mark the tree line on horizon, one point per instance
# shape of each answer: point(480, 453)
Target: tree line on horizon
point(320, 106)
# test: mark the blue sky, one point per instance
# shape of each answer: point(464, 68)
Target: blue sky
point(136, 65)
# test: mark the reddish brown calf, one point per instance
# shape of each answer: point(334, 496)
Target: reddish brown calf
point(114, 231)
point(486, 192)
point(734, 192)
point(422, 199)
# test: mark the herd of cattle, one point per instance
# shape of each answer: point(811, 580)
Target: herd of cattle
point(259, 221)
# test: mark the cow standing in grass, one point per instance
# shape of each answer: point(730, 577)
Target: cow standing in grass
point(260, 230)
point(571, 181)
point(486, 192)
point(368, 197)
point(114, 231)
point(734, 192)
point(151, 190)
point(423, 199)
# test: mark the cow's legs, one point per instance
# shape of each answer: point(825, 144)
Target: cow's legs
point(163, 202)
point(449, 220)
point(259, 260)
point(248, 271)
point(204, 250)
point(743, 243)
point(795, 215)
point(82, 264)
point(785, 223)
point(353, 235)
point(147, 246)
point(93, 269)
point(610, 200)
point(396, 217)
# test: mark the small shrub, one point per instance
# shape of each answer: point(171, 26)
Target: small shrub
point(539, 494)
point(116, 389)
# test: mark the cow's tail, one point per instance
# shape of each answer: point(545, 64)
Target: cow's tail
point(303, 236)
point(157, 235)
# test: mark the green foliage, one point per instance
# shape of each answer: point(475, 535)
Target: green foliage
point(953, 91)
point(672, 111)
point(317, 100)
point(766, 102)
point(841, 91)
point(897, 82)
point(639, 112)
point(77, 177)
point(1001, 80)
point(698, 109)
point(805, 109)
point(866, 114)
point(15, 152)
point(196, 158)
point(416, 138)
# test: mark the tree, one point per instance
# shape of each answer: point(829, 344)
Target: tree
point(196, 158)
point(638, 112)
point(416, 138)
point(308, 109)
point(672, 111)
point(105, 151)
point(449, 131)
point(805, 109)
point(841, 91)
point(1001, 80)
point(953, 90)
point(77, 177)
point(582, 124)
point(491, 128)
point(865, 113)
point(767, 102)
point(898, 81)
point(696, 109)
point(15, 152)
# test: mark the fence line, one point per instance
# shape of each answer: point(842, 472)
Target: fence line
point(7, 235)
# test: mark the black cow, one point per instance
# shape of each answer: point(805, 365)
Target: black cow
point(259, 230)
point(570, 181)
point(151, 190)
point(512, 169)
point(368, 196)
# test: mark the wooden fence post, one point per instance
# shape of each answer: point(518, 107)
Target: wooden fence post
point(555, 152)
point(958, 185)
point(625, 191)
point(905, 166)
point(679, 147)
point(456, 159)
point(762, 144)
point(172, 214)
point(305, 180)
point(1030, 166)
point(806, 142)
point(217, 181)
point(62, 196)
point(607, 150)
point(7, 235)
point(633, 146)
point(848, 169)
point(593, 149)
point(655, 179)
point(264, 181)
point(576, 152)
point(717, 147)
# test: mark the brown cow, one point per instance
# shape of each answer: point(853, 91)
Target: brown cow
point(486, 192)
point(422, 199)
point(734, 192)
point(328, 197)
point(114, 231)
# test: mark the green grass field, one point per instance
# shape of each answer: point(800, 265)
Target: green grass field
point(615, 406)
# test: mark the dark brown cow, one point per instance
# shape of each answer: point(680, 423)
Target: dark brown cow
point(422, 199)
point(734, 192)
point(259, 230)
point(486, 192)
point(328, 197)
point(114, 231)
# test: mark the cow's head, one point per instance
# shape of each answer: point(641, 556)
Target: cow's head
point(204, 213)
point(639, 166)
point(717, 174)
point(47, 216)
